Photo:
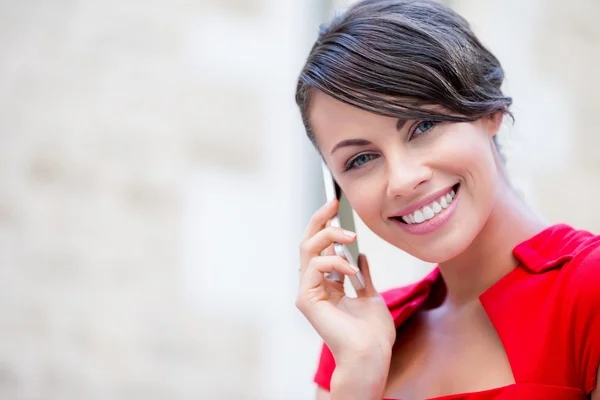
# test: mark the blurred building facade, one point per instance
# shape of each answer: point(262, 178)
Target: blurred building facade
point(155, 182)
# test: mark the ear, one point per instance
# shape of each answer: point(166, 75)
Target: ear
point(492, 123)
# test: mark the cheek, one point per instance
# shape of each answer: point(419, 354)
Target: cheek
point(365, 205)
point(365, 199)
point(466, 151)
point(471, 156)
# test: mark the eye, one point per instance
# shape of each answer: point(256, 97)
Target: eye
point(359, 161)
point(423, 127)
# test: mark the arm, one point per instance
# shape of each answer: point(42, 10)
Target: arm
point(323, 394)
point(356, 384)
point(350, 392)
point(363, 377)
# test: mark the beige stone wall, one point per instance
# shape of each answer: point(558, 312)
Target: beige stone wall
point(155, 181)
point(122, 126)
point(549, 51)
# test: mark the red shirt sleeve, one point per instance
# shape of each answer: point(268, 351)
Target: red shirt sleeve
point(325, 368)
point(585, 306)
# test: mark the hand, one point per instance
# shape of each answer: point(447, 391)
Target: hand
point(355, 329)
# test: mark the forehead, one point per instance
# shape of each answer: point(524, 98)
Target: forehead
point(332, 120)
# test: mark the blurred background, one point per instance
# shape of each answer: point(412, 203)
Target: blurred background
point(155, 181)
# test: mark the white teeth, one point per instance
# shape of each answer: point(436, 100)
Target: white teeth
point(409, 219)
point(444, 202)
point(428, 212)
point(419, 217)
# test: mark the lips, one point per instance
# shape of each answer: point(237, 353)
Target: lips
point(429, 218)
point(431, 210)
point(428, 207)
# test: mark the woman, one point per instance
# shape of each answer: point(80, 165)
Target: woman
point(404, 103)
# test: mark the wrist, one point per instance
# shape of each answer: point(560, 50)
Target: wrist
point(361, 377)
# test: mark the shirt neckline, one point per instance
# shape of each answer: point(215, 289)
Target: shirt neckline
point(543, 252)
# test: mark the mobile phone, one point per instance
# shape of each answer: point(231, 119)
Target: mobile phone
point(343, 219)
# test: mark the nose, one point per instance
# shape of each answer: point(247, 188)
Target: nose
point(405, 176)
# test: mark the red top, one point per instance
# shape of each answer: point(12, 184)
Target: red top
point(545, 313)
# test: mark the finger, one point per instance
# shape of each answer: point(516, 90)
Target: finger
point(317, 268)
point(323, 239)
point(369, 289)
point(320, 218)
point(334, 276)
point(329, 251)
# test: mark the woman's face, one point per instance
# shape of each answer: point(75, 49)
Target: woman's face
point(427, 188)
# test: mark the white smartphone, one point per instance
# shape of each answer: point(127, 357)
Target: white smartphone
point(345, 220)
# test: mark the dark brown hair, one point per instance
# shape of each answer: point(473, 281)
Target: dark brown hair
point(391, 57)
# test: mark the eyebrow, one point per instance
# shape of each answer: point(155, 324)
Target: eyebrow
point(400, 123)
point(363, 142)
point(350, 142)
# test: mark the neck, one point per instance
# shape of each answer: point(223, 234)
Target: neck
point(490, 256)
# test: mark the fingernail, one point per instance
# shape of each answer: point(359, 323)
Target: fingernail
point(354, 268)
point(349, 233)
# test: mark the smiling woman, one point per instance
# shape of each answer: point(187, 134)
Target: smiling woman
point(404, 103)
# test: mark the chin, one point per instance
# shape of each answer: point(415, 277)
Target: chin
point(440, 253)
point(442, 247)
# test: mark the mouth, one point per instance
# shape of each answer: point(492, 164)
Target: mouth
point(430, 212)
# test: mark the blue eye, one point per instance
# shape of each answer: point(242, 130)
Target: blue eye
point(423, 127)
point(360, 160)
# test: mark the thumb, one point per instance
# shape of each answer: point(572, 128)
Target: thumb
point(369, 289)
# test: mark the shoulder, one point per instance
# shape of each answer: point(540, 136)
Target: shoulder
point(584, 282)
point(586, 262)
point(572, 255)
point(578, 280)
point(573, 259)
point(404, 301)
point(549, 306)
point(580, 273)
point(554, 247)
